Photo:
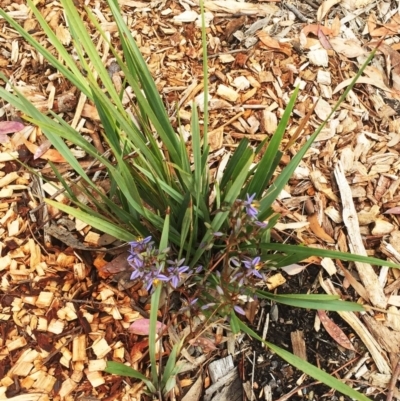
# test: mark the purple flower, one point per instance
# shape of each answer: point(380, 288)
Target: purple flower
point(239, 310)
point(140, 245)
point(136, 274)
point(250, 209)
point(138, 266)
point(253, 266)
point(136, 261)
point(252, 263)
point(153, 276)
point(175, 270)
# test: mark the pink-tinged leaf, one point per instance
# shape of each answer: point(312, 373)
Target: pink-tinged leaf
point(335, 331)
point(293, 269)
point(9, 127)
point(42, 149)
point(141, 327)
point(323, 39)
point(393, 210)
point(52, 154)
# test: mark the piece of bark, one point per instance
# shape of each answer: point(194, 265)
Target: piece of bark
point(226, 383)
point(298, 344)
point(365, 270)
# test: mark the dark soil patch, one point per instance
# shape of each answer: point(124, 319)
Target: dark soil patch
point(322, 350)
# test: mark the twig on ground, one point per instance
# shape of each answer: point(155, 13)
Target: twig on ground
point(312, 4)
point(56, 351)
point(296, 12)
point(393, 381)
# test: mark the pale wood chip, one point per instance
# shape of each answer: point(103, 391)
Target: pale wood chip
point(366, 272)
point(67, 387)
point(79, 348)
point(298, 344)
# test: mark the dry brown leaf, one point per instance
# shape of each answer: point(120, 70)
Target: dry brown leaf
point(271, 43)
point(316, 228)
point(42, 149)
point(353, 282)
point(363, 80)
point(233, 26)
point(336, 26)
point(325, 7)
point(51, 155)
point(335, 331)
point(349, 48)
point(136, 350)
point(196, 391)
point(394, 57)
point(293, 269)
point(314, 28)
point(371, 22)
point(389, 29)
point(251, 310)
point(117, 265)
point(268, 41)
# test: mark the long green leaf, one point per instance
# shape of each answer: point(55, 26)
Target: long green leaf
point(156, 110)
point(267, 164)
point(118, 368)
point(102, 225)
point(231, 195)
point(304, 252)
point(311, 301)
point(170, 368)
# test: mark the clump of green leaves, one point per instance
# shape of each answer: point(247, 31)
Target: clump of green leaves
point(163, 194)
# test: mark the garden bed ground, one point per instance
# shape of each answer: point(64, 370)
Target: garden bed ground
point(62, 315)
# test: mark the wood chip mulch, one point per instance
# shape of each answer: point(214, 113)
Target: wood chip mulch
point(62, 317)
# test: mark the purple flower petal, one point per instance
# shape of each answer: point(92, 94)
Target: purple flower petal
point(261, 224)
point(183, 269)
point(174, 282)
point(135, 275)
point(239, 310)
